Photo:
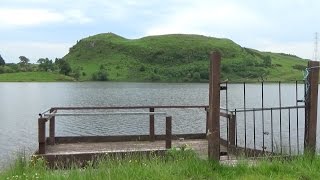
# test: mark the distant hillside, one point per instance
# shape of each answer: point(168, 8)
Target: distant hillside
point(177, 58)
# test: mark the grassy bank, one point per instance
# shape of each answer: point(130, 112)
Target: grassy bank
point(178, 165)
point(33, 76)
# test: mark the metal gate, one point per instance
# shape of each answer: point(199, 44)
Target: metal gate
point(263, 118)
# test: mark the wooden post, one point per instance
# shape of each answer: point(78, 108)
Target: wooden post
point(311, 107)
point(42, 135)
point(168, 131)
point(213, 133)
point(52, 129)
point(151, 125)
point(232, 129)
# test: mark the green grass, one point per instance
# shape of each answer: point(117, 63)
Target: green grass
point(176, 165)
point(33, 76)
point(177, 58)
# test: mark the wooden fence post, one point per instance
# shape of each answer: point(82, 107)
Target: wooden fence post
point(151, 125)
point(311, 107)
point(168, 132)
point(213, 133)
point(52, 129)
point(42, 135)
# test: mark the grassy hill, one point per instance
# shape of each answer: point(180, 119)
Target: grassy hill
point(177, 58)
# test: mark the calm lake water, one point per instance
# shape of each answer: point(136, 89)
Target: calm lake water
point(20, 104)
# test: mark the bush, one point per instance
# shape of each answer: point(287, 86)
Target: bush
point(299, 67)
point(196, 76)
point(64, 66)
point(142, 68)
point(154, 77)
point(225, 68)
point(76, 73)
point(2, 70)
point(6, 69)
point(101, 75)
point(204, 74)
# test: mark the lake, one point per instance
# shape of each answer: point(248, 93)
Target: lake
point(20, 104)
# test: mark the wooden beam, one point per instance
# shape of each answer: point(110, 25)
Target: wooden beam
point(123, 138)
point(151, 125)
point(214, 108)
point(168, 132)
point(52, 127)
point(311, 105)
point(42, 135)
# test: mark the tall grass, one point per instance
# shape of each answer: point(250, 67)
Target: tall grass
point(175, 165)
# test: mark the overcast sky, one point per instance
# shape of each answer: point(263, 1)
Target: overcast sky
point(47, 28)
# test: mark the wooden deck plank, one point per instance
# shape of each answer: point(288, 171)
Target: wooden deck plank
point(198, 145)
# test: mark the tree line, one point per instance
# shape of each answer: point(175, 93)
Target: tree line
point(58, 65)
point(44, 64)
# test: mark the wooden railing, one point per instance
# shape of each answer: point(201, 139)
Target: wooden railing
point(45, 117)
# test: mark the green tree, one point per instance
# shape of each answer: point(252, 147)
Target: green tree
point(2, 62)
point(64, 66)
point(45, 64)
point(23, 60)
point(24, 64)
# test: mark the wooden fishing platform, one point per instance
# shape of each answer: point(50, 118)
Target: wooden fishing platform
point(80, 149)
point(83, 149)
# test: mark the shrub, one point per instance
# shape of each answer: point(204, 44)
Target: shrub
point(196, 76)
point(101, 75)
point(204, 74)
point(142, 68)
point(267, 61)
point(154, 77)
point(299, 67)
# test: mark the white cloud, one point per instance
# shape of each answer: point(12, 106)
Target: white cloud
point(25, 17)
point(301, 49)
point(207, 17)
point(13, 17)
point(33, 50)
